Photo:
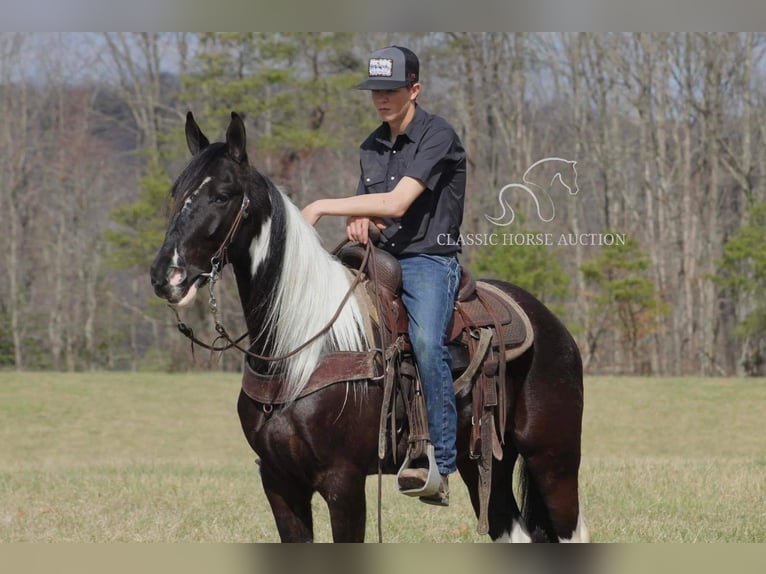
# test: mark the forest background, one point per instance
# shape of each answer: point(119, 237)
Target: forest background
point(667, 131)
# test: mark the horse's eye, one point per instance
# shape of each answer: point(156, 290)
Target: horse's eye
point(221, 198)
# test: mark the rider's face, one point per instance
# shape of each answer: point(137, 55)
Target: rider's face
point(393, 106)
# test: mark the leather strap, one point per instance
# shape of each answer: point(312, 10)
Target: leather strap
point(462, 384)
point(485, 470)
point(339, 367)
point(387, 407)
point(499, 381)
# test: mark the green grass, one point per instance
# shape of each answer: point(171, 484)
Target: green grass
point(103, 457)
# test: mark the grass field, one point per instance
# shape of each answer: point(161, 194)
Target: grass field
point(103, 457)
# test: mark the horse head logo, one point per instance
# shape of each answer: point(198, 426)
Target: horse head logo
point(565, 175)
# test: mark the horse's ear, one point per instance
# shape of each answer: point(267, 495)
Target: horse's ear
point(236, 140)
point(195, 139)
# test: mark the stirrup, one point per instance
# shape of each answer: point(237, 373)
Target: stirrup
point(434, 480)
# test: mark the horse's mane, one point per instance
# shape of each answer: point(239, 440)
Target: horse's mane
point(309, 290)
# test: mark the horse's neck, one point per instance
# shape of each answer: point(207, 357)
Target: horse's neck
point(258, 276)
point(292, 290)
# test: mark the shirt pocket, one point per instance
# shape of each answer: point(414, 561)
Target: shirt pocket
point(374, 179)
point(374, 169)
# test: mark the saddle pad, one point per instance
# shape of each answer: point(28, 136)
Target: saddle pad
point(515, 327)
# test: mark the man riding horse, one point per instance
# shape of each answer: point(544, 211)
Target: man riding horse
point(412, 187)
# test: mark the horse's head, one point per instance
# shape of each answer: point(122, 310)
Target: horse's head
point(220, 204)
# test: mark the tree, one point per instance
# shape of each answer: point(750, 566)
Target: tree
point(742, 271)
point(294, 90)
point(142, 223)
point(666, 130)
point(136, 61)
point(621, 291)
point(535, 268)
point(16, 140)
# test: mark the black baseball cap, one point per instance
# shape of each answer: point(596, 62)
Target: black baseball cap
point(391, 68)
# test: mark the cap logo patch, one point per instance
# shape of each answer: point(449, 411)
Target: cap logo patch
point(381, 67)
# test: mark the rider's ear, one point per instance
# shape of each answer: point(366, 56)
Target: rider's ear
point(236, 140)
point(195, 139)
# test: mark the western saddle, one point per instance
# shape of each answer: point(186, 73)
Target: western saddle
point(488, 329)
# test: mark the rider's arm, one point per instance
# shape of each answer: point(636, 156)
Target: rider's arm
point(392, 203)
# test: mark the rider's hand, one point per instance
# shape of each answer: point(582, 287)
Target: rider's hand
point(357, 228)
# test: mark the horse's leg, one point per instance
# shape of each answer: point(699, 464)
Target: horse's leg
point(291, 507)
point(555, 480)
point(289, 497)
point(343, 490)
point(503, 514)
point(549, 442)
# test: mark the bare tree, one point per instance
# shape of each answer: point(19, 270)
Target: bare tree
point(16, 137)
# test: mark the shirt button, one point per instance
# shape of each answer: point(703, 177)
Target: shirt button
point(393, 151)
point(368, 180)
point(392, 178)
point(393, 245)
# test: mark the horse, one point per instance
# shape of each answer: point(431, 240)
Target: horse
point(225, 212)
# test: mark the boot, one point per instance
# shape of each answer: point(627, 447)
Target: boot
point(441, 496)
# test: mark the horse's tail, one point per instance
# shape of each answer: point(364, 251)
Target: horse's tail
point(534, 513)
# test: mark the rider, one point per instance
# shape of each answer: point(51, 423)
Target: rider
point(412, 187)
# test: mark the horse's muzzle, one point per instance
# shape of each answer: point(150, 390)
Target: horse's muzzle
point(160, 277)
point(168, 276)
point(174, 281)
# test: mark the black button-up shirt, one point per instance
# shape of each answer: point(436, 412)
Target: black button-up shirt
point(430, 151)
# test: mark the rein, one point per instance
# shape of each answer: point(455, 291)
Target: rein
point(217, 262)
point(354, 284)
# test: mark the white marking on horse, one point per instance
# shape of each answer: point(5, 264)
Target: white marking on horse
point(517, 535)
point(194, 193)
point(259, 248)
point(580, 534)
point(176, 274)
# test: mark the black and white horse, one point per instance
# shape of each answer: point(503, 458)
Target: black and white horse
point(326, 442)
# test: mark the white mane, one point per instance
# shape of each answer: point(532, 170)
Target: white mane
point(309, 291)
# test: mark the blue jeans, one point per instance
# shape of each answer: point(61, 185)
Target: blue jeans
point(429, 287)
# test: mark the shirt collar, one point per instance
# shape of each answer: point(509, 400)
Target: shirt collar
point(413, 131)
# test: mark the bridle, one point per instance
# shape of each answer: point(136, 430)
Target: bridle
point(217, 262)
point(220, 258)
